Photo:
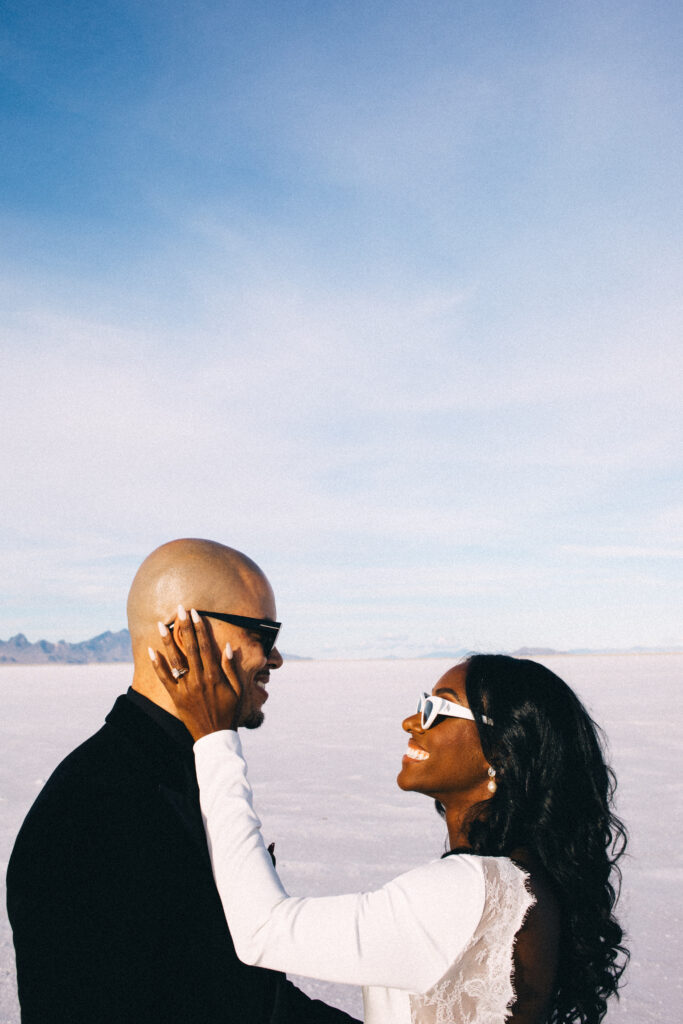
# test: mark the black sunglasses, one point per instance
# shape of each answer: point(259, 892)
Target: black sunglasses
point(267, 629)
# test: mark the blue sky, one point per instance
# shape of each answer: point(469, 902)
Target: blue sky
point(387, 295)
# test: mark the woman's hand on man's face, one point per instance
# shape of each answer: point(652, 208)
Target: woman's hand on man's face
point(205, 690)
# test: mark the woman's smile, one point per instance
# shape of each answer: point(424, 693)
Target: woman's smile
point(415, 753)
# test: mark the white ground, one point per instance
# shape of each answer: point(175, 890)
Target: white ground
point(324, 767)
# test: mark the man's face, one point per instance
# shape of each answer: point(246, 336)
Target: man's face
point(252, 666)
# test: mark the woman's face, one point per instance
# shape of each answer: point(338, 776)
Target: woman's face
point(446, 762)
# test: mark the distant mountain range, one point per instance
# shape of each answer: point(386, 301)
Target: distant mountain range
point(106, 648)
point(544, 652)
point(539, 652)
point(115, 647)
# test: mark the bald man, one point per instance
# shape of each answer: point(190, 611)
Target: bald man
point(110, 892)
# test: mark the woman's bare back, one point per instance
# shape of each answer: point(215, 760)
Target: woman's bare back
point(536, 949)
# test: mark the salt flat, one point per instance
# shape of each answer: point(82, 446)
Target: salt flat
point(324, 768)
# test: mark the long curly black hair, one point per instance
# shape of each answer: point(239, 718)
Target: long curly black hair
point(554, 798)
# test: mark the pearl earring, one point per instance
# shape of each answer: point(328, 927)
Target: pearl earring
point(491, 784)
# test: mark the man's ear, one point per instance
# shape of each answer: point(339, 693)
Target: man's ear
point(212, 638)
point(176, 634)
point(209, 629)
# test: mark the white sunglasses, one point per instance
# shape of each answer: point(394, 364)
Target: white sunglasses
point(431, 708)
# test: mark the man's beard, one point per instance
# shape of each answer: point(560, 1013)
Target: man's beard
point(253, 720)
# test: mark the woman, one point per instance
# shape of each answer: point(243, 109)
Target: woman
point(515, 923)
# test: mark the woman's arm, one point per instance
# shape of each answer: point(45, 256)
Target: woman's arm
point(404, 935)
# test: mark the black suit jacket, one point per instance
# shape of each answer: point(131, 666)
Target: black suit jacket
point(113, 905)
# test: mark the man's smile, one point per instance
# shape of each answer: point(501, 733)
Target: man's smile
point(262, 679)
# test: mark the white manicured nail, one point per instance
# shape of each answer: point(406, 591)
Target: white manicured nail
point(152, 654)
point(162, 629)
point(182, 614)
point(228, 652)
point(194, 614)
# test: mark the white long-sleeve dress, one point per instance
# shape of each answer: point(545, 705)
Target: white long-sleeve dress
point(433, 946)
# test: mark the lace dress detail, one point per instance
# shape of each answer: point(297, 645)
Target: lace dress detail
point(478, 988)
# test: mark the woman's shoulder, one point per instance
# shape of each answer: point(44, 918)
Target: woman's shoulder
point(495, 871)
point(518, 865)
point(514, 886)
point(448, 892)
point(447, 874)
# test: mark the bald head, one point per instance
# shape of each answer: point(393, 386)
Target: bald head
point(197, 574)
